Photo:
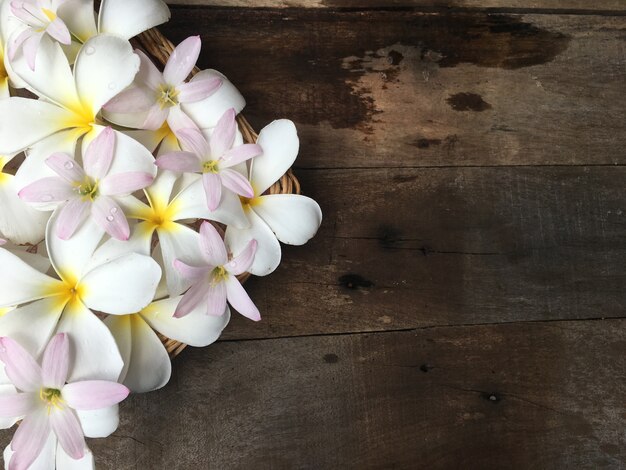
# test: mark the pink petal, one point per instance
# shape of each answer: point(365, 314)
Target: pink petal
point(18, 41)
point(20, 366)
point(29, 439)
point(66, 167)
point(240, 154)
point(177, 120)
point(66, 426)
point(148, 73)
point(99, 154)
point(58, 30)
point(182, 61)
point(192, 273)
point(109, 216)
point(71, 216)
point(56, 361)
point(155, 118)
point(237, 183)
point(49, 189)
point(197, 90)
point(195, 296)
point(94, 394)
point(193, 141)
point(179, 162)
point(132, 100)
point(241, 263)
point(212, 246)
point(125, 183)
point(2, 241)
point(17, 404)
point(216, 300)
point(223, 136)
point(26, 12)
point(238, 298)
point(30, 48)
point(213, 189)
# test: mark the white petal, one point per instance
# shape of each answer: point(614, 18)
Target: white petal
point(7, 389)
point(44, 461)
point(128, 18)
point(18, 221)
point(24, 122)
point(268, 254)
point(71, 257)
point(79, 17)
point(161, 189)
point(178, 242)
point(99, 423)
point(125, 285)
point(119, 326)
point(105, 66)
point(149, 365)
point(65, 462)
point(207, 112)
point(93, 352)
point(293, 218)
point(139, 242)
point(280, 144)
point(39, 262)
point(195, 329)
point(21, 283)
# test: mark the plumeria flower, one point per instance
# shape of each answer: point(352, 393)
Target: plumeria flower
point(47, 403)
point(40, 18)
point(213, 159)
point(18, 221)
point(290, 218)
point(155, 93)
point(92, 191)
point(70, 100)
point(65, 301)
point(215, 281)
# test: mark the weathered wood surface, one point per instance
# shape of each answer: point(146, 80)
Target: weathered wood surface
point(381, 89)
point(552, 5)
point(405, 248)
point(522, 396)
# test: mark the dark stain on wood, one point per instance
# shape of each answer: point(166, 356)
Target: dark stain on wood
point(354, 281)
point(331, 358)
point(388, 235)
point(394, 57)
point(426, 368)
point(425, 143)
point(468, 102)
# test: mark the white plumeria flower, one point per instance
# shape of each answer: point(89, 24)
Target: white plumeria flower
point(215, 282)
point(93, 191)
point(214, 159)
point(47, 403)
point(71, 100)
point(40, 18)
point(66, 302)
point(18, 221)
point(155, 93)
point(290, 218)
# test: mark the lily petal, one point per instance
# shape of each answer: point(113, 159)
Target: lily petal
point(242, 262)
point(98, 153)
point(17, 404)
point(212, 246)
point(193, 273)
point(55, 363)
point(58, 30)
point(182, 243)
point(237, 183)
point(66, 426)
point(94, 394)
point(125, 183)
point(216, 300)
point(198, 90)
point(240, 154)
point(182, 61)
point(213, 189)
point(50, 189)
point(179, 162)
point(132, 100)
point(29, 440)
point(65, 166)
point(71, 215)
point(192, 140)
point(110, 217)
point(195, 297)
point(239, 299)
point(19, 365)
point(223, 136)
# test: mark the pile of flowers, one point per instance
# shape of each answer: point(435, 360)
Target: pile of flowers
point(129, 204)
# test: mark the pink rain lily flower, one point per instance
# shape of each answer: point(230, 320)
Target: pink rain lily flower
point(40, 18)
point(156, 93)
point(214, 159)
point(89, 192)
point(47, 403)
point(214, 282)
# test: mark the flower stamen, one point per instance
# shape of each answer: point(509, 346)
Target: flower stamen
point(167, 96)
point(219, 274)
point(52, 398)
point(210, 167)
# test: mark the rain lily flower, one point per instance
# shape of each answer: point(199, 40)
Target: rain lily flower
point(40, 18)
point(215, 281)
point(48, 404)
point(65, 303)
point(214, 159)
point(18, 221)
point(94, 190)
point(290, 218)
point(155, 93)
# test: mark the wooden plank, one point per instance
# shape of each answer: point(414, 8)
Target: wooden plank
point(544, 396)
point(381, 89)
point(585, 5)
point(420, 247)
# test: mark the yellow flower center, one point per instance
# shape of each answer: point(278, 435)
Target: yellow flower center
point(3, 176)
point(210, 167)
point(52, 398)
point(167, 96)
point(88, 189)
point(219, 274)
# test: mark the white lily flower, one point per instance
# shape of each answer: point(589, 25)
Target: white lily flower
point(66, 302)
point(71, 100)
point(289, 218)
point(18, 221)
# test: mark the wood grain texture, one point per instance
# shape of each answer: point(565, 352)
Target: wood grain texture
point(405, 248)
point(541, 396)
point(398, 89)
point(597, 5)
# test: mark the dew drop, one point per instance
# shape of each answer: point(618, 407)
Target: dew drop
point(113, 210)
point(46, 198)
point(68, 165)
point(112, 85)
point(90, 50)
point(110, 218)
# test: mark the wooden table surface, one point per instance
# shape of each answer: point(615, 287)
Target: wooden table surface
point(463, 305)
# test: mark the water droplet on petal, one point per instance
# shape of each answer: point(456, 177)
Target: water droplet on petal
point(46, 198)
point(90, 50)
point(110, 218)
point(113, 210)
point(68, 165)
point(112, 85)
